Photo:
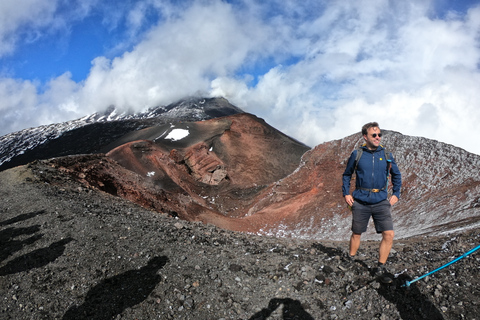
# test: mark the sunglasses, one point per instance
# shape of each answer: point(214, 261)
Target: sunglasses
point(375, 135)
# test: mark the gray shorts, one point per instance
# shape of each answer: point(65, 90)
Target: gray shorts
point(380, 212)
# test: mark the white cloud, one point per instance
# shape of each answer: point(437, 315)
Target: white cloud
point(412, 74)
point(327, 67)
point(18, 104)
point(22, 106)
point(17, 15)
point(177, 58)
point(28, 21)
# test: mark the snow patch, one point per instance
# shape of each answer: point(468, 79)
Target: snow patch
point(177, 134)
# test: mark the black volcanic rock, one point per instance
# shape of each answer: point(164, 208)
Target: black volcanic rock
point(212, 174)
point(68, 237)
point(106, 258)
point(240, 174)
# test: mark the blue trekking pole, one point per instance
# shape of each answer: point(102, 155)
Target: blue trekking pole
point(408, 283)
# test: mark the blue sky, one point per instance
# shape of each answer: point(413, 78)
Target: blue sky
point(316, 70)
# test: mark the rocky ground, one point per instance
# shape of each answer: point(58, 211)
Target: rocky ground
point(67, 252)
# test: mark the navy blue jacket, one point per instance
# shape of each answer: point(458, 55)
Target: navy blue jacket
point(371, 174)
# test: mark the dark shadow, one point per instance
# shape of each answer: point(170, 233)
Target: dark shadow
point(292, 310)
point(7, 234)
point(9, 247)
point(362, 264)
point(331, 252)
point(337, 252)
point(410, 302)
point(22, 217)
point(35, 259)
point(115, 294)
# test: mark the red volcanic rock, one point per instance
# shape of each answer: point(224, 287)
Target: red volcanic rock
point(222, 164)
point(241, 174)
point(205, 166)
point(440, 191)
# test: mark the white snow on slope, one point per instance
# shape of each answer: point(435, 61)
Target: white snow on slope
point(177, 134)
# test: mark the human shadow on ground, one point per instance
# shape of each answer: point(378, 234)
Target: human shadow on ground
point(331, 252)
point(8, 244)
point(112, 296)
point(35, 259)
point(410, 302)
point(292, 310)
point(21, 217)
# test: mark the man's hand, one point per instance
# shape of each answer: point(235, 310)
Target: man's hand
point(393, 200)
point(349, 200)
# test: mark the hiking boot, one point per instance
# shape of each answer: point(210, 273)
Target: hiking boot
point(382, 274)
point(347, 262)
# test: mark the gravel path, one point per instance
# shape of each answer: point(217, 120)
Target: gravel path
point(72, 253)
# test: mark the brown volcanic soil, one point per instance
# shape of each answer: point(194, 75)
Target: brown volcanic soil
point(71, 252)
point(214, 176)
point(75, 245)
point(239, 173)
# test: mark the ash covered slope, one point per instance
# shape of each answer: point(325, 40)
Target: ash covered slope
point(92, 133)
point(70, 252)
point(240, 174)
point(440, 194)
point(210, 171)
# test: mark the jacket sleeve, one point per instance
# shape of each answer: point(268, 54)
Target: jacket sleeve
point(347, 174)
point(396, 178)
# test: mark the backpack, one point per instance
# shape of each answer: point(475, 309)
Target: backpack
point(387, 157)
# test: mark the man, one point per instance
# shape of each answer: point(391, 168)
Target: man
point(370, 197)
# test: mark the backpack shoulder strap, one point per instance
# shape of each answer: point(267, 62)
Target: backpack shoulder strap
point(359, 155)
point(389, 161)
point(387, 154)
point(357, 158)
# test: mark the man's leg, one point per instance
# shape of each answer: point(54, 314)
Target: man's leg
point(354, 243)
point(348, 258)
point(360, 217)
point(385, 245)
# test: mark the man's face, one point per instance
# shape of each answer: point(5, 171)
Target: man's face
point(371, 141)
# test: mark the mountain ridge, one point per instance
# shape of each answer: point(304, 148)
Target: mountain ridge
point(27, 145)
point(239, 173)
point(228, 218)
